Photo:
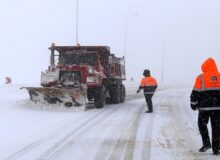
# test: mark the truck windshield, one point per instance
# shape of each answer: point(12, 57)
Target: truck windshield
point(84, 58)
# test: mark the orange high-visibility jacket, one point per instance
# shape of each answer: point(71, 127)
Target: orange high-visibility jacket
point(149, 84)
point(206, 91)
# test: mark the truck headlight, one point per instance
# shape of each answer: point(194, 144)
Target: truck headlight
point(46, 78)
point(92, 79)
point(91, 70)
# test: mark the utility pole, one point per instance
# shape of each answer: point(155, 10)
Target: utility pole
point(163, 59)
point(77, 21)
point(126, 30)
point(125, 34)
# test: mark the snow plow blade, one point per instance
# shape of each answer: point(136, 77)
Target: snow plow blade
point(68, 96)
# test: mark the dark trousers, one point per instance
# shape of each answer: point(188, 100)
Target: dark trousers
point(203, 119)
point(148, 98)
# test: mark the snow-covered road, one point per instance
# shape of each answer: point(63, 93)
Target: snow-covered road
point(116, 132)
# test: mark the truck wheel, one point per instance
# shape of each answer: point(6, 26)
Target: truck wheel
point(115, 94)
point(100, 97)
point(123, 93)
point(68, 104)
point(90, 94)
point(50, 100)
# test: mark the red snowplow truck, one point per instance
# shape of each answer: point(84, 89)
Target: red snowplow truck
point(81, 74)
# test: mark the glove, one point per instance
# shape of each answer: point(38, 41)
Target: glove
point(138, 91)
point(194, 105)
point(194, 108)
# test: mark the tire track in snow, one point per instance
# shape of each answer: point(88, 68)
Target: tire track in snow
point(146, 152)
point(124, 147)
point(133, 133)
point(162, 142)
point(67, 141)
point(82, 148)
point(42, 140)
point(108, 144)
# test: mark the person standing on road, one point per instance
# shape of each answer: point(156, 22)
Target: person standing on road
point(149, 84)
point(205, 97)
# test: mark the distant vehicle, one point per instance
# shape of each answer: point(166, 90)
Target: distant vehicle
point(81, 74)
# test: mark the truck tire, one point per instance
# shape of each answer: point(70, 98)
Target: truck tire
point(123, 93)
point(68, 104)
point(115, 94)
point(100, 97)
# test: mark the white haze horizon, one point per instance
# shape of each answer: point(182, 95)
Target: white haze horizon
point(186, 32)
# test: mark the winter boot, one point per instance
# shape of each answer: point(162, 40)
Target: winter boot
point(216, 153)
point(204, 148)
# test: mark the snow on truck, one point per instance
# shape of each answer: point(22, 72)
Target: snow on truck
point(78, 75)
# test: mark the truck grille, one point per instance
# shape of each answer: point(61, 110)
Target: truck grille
point(65, 74)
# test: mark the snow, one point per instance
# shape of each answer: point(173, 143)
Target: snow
point(123, 131)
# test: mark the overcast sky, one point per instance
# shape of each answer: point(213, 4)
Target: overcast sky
point(186, 32)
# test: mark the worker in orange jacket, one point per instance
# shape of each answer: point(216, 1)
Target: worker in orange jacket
point(149, 85)
point(205, 97)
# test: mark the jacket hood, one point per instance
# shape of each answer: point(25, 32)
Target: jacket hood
point(209, 66)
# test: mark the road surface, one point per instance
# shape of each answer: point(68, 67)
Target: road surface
point(116, 132)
